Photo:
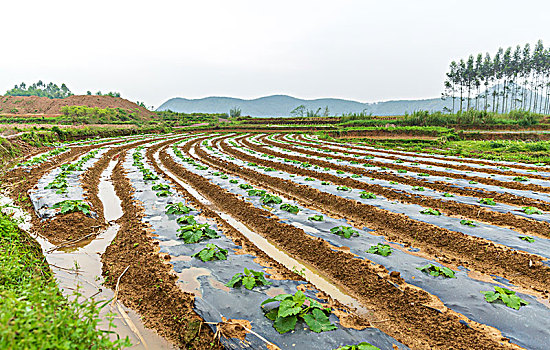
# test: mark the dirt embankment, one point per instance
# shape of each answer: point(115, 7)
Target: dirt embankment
point(43, 106)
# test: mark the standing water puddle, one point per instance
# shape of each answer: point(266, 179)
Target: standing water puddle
point(79, 266)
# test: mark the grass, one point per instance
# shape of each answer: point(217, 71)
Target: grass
point(33, 312)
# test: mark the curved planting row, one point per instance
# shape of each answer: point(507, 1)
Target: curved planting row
point(508, 190)
point(353, 176)
point(231, 285)
point(333, 267)
point(433, 157)
point(450, 246)
point(459, 292)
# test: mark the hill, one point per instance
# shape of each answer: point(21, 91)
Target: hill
point(43, 106)
point(281, 105)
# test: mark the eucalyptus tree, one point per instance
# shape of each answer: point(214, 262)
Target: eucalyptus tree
point(514, 78)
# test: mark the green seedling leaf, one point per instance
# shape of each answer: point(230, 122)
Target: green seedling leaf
point(429, 211)
point(160, 187)
point(418, 188)
point(447, 195)
point(343, 188)
point(245, 186)
point(344, 231)
point(527, 239)
point(360, 346)
point(520, 179)
point(177, 209)
point(487, 201)
point(72, 206)
point(316, 218)
point(367, 195)
point(532, 210)
point(186, 220)
point(508, 297)
point(196, 232)
point(380, 249)
point(468, 223)
point(293, 209)
point(435, 271)
point(268, 198)
point(211, 252)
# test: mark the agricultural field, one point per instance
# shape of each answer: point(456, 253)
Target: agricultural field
point(213, 238)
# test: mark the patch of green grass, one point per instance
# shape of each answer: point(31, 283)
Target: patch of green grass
point(33, 312)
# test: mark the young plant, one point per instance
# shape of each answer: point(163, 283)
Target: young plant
point(233, 181)
point(217, 173)
point(177, 209)
point(423, 174)
point(355, 176)
point(429, 211)
point(344, 231)
point(435, 271)
point(401, 171)
point(256, 193)
point(527, 239)
point(72, 206)
point(361, 346)
point(268, 198)
point(531, 210)
point(446, 194)
point(520, 179)
point(367, 195)
point(418, 188)
point(164, 193)
point(309, 179)
point(316, 218)
point(487, 201)
point(245, 186)
point(468, 223)
point(186, 220)
point(508, 297)
point(298, 306)
point(293, 209)
point(380, 249)
point(324, 183)
point(343, 188)
point(249, 279)
point(211, 252)
point(224, 177)
point(160, 187)
point(472, 182)
point(196, 233)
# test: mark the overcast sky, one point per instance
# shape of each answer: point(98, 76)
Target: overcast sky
point(154, 50)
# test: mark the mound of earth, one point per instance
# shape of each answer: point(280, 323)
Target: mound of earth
point(34, 105)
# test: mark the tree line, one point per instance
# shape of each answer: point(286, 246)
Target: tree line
point(513, 79)
point(49, 90)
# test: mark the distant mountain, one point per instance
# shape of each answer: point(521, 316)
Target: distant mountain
point(282, 105)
